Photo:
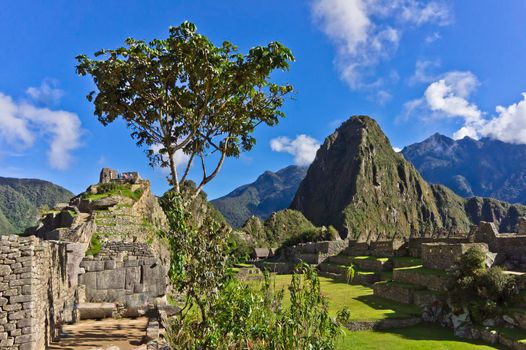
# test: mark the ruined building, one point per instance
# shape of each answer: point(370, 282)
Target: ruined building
point(97, 256)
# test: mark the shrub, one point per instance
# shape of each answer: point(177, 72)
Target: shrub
point(472, 262)
point(217, 312)
point(481, 291)
point(95, 246)
point(245, 317)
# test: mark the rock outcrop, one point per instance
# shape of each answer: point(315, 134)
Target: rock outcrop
point(360, 185)
point(118, 256)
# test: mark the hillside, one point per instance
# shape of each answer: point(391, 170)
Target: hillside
point(360, 185)
point(486, 167)
point(20, 200)
point(271, 192)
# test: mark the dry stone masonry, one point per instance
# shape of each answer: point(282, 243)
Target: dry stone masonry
point(46, 278)
point(36, 292)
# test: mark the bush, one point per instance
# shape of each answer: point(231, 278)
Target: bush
point(95, 246)
point(472, 262)
point(244, 317)
point(482, 291)
point(218, 312)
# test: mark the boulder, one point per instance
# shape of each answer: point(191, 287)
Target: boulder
point(105, 203)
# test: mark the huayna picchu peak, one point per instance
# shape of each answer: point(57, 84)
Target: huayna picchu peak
point(360, 185)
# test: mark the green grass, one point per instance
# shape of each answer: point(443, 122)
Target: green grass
point(95, 246)
point(368, 257)
point(116, 190)
point(359, 299)
point(421, 337)
point(403, 285)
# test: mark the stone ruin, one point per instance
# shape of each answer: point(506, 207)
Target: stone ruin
point(108, 175)
point(47, 279)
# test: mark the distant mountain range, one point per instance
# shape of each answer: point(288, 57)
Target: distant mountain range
point(269, 193)
point(486, 167)
point(21, 199)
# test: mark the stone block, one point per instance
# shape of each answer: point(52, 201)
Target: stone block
point(133, 276)
point(20, 299)
point(136, 300)
point(110, 265)
point(131, 263)
point(5, 270)
point(111, 279)
point(89, 279)
point(96, 310)
point(92, 265)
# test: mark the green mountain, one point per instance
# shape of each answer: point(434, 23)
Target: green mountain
point(20, 200)
point(485, 167)
point(271, 192)
point(361, 186)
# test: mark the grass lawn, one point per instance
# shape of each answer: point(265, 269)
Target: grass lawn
point(359, 299)
point(414, 338)
point(365, 306)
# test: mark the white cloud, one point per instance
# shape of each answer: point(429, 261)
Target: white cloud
point(21, 124)
point(448, 98)
point(367, 31)
point(397, 149)
point(13, 129)
point(47, 93)
point(181, 159)
point(510, 123)
point(303, 148)
point(423, 72)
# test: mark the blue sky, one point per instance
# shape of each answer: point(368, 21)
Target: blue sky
point(417, 67)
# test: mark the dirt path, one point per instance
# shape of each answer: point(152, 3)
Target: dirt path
point(126, 334)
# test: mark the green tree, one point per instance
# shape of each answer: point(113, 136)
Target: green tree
point(185, 94)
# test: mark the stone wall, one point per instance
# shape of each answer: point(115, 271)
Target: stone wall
point(414, 245)
point(126, 273)
point(316, 252)
point(36, 295)
point(502, 243)
point(443, 256)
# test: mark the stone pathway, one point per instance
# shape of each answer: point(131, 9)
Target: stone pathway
point(106, 334)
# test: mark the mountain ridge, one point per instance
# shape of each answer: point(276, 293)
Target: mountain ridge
point(270, 192)
point(21, 200)
point(485, 167)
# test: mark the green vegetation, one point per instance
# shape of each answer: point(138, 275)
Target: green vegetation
point(421, 337)
point(263, 320)
point(271, 192)
point(484, 292)
point(286, 228)
point(364, 306)
point(95, 246)
point(21, 201)
point(367, 257)
point(114, 189)
point(185, 93)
